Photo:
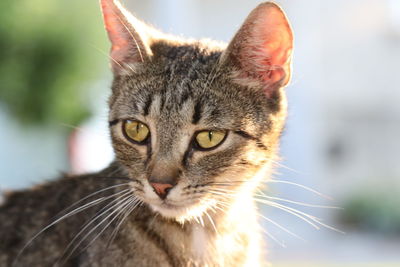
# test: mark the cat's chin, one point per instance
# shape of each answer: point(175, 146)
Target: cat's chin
point(180, 213)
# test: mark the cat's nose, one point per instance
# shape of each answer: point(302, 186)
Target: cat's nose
point(161, 190)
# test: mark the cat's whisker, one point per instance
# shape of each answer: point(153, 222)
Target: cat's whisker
point(118, 178)
point(94, 239)
point(117, 169)
point(301, 186)
point(69, 214)
point(304, 216)
point(102, 212)
point(212, 222)
point(214, 69)
point(130, 33)
point(201, 221)
point(107, 55)
point(91, 195)
point(297, 202)
point(122, 209)
point(289, 211)
point(280, 226)
point(212, 209)
point(280, 243)
point(111, 203)
point(284, 166)
point(195, 218)
point(224, 204)
point(134, 204)
point(235, 182)
point(73, 127)
point(222, 193)
point(219, 208)
point(118, 205)
point(223, 197)
point(312, 220)
point(126, 192)
point(263, 195)
point(289, 208)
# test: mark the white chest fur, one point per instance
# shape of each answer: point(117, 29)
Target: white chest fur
point(200, 241)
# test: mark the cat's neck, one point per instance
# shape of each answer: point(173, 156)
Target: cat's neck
point(225, 236)
point(228, 234)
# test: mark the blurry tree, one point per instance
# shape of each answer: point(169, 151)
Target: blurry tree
point(374, 209)
point(47, 56)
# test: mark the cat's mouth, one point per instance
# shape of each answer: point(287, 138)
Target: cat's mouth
point(169, 210)
point(180, 212)
point(169, 204)
point(176, 205)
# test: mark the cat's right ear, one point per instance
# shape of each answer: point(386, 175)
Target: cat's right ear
point(260, 53)
point(128, 36)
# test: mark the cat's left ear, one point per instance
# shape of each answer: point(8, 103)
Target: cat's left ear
point(261, 50)
point(129, 36)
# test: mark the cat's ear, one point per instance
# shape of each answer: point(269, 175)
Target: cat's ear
point(128, 36)
point(261, 50)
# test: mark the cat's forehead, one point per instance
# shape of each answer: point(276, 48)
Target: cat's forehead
point(177, 77)
point(174, 100)
point(184, 84)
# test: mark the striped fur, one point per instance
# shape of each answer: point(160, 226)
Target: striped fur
point(177, 88)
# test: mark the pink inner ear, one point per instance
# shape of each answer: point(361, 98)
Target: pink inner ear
point(116, 36)
point(127, 46)
point(276, 56)
point(113, 27)
point(265, 46)
point(274, 30)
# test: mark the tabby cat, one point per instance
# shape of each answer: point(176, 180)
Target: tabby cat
point(195, 127)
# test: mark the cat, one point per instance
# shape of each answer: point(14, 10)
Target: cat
point(195, 126)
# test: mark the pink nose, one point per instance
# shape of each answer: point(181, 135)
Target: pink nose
point(161, 189)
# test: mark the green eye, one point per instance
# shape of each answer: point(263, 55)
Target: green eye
point(209, 139)
point(136, 130)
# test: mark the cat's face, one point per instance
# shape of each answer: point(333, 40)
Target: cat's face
point(189, 119)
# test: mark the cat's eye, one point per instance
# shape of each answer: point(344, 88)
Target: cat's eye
point(136, 131)
point(210, 138)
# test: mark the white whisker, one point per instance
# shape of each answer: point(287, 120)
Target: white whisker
point(121, 210)
point(119, 205)
point(280, 243)
point(212, 222)
point(262, 195)
point(301, 186)
point(92, 194)
point(280, 226)
point(284, 208)
point(134, 204)
point(69, 214)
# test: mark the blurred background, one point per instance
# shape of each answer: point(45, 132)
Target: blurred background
point(343, 130)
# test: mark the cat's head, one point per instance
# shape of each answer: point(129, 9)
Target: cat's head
point(194, 120)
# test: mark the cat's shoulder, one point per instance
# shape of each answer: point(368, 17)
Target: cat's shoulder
point(54, 194)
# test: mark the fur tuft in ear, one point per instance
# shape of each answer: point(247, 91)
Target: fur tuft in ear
point(128, 36)
point(261, 50)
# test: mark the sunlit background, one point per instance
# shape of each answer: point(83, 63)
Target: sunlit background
point(342, 137)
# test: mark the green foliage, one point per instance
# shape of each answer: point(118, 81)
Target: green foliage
point(375, 210)
point(48, 54)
